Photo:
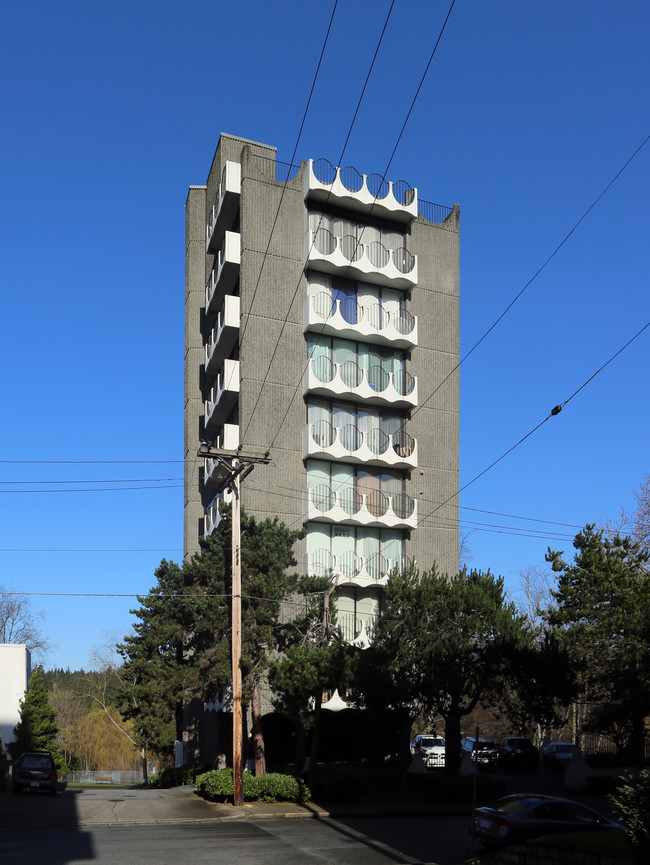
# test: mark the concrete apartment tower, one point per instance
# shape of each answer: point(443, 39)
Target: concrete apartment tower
point(322, 324)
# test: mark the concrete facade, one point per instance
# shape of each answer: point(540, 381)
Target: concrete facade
point(340, 360)
point(15, 670)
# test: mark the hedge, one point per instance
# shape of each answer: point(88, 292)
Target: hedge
point(176, 777)
point(217, 786)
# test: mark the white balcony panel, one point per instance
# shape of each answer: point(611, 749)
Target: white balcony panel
point(225, 272)
point(213, 515)
point(225, 333)
point(395, 268)
point(360, 509)
point(331, 379)
point(352, 569)
point(357, 630)
point(224, 394)
point(359, 448)
point(228, 439)
point(323, 315)
point(225, 207)
point(394, 201)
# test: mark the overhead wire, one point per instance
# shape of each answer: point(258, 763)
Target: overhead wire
point(553, 413)
point(340, 160)
point(533, 277)
point(285, 321)
point(506, 310)
point(293, 156)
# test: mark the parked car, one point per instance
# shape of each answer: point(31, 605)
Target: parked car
point(558, 754)
point(518, 752)
point(528, 815)
point(35, 770)
point(482, 751)
point(432, 749)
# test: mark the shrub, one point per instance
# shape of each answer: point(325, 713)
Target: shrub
point(217, 786)
point(632, 805)
point(177, 776)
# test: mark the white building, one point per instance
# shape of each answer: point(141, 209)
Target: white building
point(15, 670)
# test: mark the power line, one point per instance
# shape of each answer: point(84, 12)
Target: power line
point(92, 490)
point(286, 318)
point(98, 481)
point(293, 156)
point(87, 550)
point(554, 411)
point(533, 277)
point(86, 462)
point(435, 48)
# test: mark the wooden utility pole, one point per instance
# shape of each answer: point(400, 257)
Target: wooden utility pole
point(237, 719)
point(234, 466)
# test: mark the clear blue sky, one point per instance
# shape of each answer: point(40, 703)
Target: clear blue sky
point(110, 112)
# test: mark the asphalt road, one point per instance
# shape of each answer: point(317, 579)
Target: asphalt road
point(268, 842)
point(110, 826)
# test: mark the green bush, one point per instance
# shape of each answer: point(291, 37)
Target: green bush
point(217, 786)
point(632, 805)
point(176, 777)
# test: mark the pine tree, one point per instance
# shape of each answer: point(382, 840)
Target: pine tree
point(601, 617)
point(443, 645)
point(37, 729)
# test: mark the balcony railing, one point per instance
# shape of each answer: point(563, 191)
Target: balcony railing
point(364, 193)
point(347, 504)
point(224, 334)
point(349, 443)
point(225, 272)
point(373, 322)
point(351, 567)
point(225, 206)
point(325, 377)
point(223, 395)
point(357, 627)
point(372, 262)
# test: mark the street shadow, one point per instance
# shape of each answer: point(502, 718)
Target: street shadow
point(37, 826)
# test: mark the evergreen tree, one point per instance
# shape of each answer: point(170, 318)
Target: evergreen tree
point(174, 654)
point(601, 616)
point(443, 645)
point(314, 660)
point(266, 583)
point(181, 646)
point(36, 730)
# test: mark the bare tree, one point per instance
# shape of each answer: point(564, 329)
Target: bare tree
point(464, 554)
point(535, 593)
point(637, 523)
point(19, 623)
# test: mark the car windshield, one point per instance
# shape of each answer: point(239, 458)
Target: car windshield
point(431, 742)
point(484, 746)
point(565, 749)
point(520, 743)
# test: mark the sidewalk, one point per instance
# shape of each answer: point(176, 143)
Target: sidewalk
point(378, 807)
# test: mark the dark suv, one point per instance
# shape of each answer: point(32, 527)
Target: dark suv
point(518, 752)
point(482, 751)
point(34, 771)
